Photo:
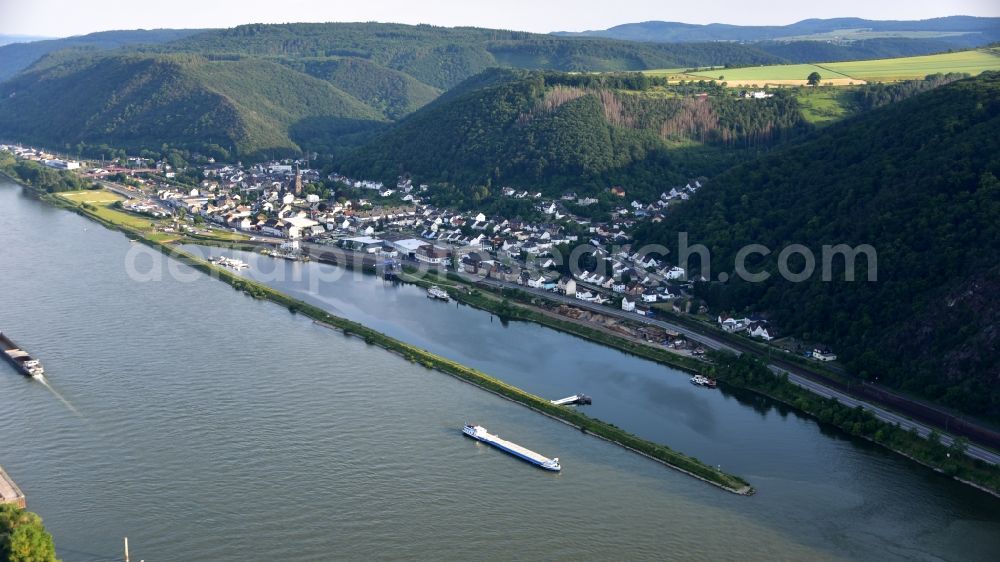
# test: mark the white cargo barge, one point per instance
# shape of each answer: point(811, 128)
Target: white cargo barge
point(479, 433)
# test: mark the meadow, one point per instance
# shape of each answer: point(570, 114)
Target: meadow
point(910, 68)
point(846, 73)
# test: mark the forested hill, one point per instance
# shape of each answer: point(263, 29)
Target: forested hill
point(442, 57)
point(917, 180)
point(16, 57)
point(822, 40)
point(966, 31)
point(229, 108)
point(556, 131)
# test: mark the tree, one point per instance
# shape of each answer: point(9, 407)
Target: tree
point(814, 78)
point(23, 538)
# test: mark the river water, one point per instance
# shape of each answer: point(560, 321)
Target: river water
point(205, 425)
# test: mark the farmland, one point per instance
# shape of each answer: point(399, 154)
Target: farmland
point(846, 73)
point(910, 68)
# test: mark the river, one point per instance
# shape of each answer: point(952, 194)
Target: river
point(205, 425)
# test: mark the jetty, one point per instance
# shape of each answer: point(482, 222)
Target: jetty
point(581, 399)
point(9, 492)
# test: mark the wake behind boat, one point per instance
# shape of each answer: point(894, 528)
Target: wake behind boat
point(479, 433)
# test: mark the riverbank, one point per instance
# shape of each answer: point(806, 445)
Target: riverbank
point(509, 304)
point(746, 373)
point(587, 424)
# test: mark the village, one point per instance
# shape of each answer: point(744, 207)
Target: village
point(288, 203)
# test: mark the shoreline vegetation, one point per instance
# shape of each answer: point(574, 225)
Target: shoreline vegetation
point(743, 372)
point(749, 373)
point(609, 432)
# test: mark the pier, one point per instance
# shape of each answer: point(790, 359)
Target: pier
point(582, 399)
point(9, 492)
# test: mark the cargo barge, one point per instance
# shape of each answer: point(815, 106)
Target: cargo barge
point(22, 360)
point(479, 433)
point(9, 492)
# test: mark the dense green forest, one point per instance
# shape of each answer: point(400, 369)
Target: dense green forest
point(16, 57)
point(240, 107)
point(442, 57)
point(393, 93)
point(554, 131)
point(917, 180)
point(258, 91)
point(263, 91)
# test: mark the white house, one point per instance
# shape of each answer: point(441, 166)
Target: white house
point(761, 330)
point(675, 273)
point(297, 225)
point(536, 283)
point(627, 305)
point(567, 286)
point(824, 354)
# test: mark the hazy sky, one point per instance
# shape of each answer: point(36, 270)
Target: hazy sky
point(58, 18)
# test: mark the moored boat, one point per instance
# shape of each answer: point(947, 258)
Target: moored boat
point(702, 380)
point(231, 263)
point(436, 292)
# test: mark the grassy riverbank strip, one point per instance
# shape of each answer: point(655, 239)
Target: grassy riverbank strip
point(510, 304)
point(661, 453)
point(751, 373)
point(748, 373)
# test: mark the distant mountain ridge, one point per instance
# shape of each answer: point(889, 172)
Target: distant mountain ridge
point(8, 39)
point(665, 31)
point(822, 40)
point(18, 56)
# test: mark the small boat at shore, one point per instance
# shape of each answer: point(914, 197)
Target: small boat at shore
point(702, 380)
point(22, 360)
point(438, 293)
point(479, 433)
point(231, 263)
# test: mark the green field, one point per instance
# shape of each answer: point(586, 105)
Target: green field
point(909, 68)
point(821, 106)
point(846, 73)
point(99, 197)
point(102, 202)
point(775, 72)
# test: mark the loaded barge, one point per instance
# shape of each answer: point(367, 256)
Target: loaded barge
point(479, 433)
point(22, 360)
point(9, 492)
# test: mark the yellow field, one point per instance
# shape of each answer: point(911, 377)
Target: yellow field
point(910, 68)
point(100, 197)
point(845, 73)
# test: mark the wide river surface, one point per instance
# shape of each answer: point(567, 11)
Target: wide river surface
point(205, 425)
